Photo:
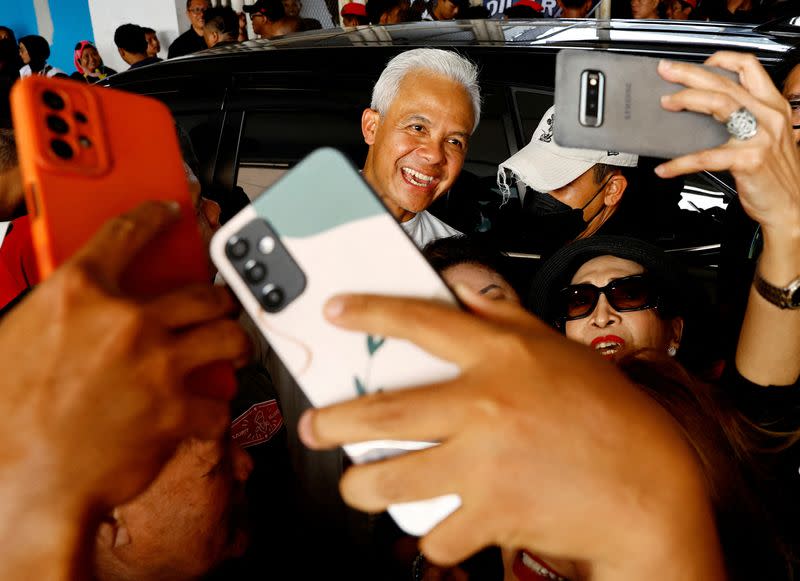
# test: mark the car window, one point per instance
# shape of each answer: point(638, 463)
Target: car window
point(273, 141)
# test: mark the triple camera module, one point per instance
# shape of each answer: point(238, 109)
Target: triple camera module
point(273, 276)
point(60, 127)
point(590, 111)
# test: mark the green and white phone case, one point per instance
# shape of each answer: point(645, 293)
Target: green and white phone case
point(319, 231)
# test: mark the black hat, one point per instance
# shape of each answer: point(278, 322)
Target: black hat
point(271, 9)
point(670, 275)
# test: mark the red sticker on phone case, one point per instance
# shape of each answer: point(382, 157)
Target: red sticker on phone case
point(258, 424)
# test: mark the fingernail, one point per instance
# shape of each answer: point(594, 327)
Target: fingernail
point(305, 430)
point(664, 64)
point(334, 307)
point(659, 170)
point(665, 99)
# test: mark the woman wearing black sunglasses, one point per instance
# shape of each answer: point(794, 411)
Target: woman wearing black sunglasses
point(620, 295)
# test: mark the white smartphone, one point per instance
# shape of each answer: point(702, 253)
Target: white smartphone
point(318, 231)
point(612, 102)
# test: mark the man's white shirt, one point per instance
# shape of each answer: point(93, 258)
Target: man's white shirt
point(424, 227)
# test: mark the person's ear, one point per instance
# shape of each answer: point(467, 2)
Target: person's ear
point(370, 120)
point(616, 186)
point(113, 532)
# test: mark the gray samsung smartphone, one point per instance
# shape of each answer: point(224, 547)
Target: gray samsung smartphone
point(613, 102)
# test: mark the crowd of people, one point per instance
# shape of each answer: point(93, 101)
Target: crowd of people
point(591, 434)
point(214, 25)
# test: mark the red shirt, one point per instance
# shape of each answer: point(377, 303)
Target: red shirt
point(18, 270)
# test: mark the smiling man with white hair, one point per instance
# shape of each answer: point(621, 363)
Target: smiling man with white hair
point(425, 106)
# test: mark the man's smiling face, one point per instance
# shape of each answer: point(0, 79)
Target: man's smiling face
point(417, 148)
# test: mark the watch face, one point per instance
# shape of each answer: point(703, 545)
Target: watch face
point(794, 299)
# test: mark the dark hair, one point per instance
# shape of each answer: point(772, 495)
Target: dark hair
point(38, 50)
point(148, 30)
point(189, 4)
point(131, 38)
point(8, 150)
point(446, 252)
point(10, 33)
point(222, 18)
point(273, 10)
point(377, 8)
point(477, 13)
point(726, 446)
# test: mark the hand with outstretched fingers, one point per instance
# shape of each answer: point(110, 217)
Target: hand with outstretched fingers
point(550, 447)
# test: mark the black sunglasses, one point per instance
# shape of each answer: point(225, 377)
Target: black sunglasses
point(629, 293)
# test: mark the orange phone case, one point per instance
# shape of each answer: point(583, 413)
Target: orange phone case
point(124, 151)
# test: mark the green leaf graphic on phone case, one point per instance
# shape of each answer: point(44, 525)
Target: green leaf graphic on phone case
point(374, 343)
point(360, 389)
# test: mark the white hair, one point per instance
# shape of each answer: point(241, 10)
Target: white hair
point(441, 62)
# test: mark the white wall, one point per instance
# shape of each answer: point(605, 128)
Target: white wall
point(168, 19)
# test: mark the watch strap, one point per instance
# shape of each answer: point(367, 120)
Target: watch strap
point(782, 297)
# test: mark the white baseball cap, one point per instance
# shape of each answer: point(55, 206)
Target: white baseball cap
point(544, 166)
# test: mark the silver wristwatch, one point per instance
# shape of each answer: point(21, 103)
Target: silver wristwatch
point(787, 297)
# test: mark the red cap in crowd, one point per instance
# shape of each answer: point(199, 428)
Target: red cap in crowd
point(354, 9)
point(530, 4)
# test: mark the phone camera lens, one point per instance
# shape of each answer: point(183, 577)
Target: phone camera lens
point(80, 117)
point(255, 271)
point(62, 149)
point(57, 125)
point(237, 248)
point(271, 297)
point(53, 100)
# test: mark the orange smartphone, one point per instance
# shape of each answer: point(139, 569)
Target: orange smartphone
point(90, 153)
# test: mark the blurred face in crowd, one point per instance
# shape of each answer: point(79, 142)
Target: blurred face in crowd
point(4, 35)
point(677, 10)
point(350, 21)
point(644, 8)
point(417, 148)
point(259, 24)
point(195, 13)
point(791, 91)
point(90, 59)
point(612, 333)
point(190, 519)
point(480, 279)
point(445, 10)
point(292, 7)
point(153, 45)
point(23, 53)
point(395, 15)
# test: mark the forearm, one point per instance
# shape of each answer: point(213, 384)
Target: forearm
point(768, 352)
point(674, 541)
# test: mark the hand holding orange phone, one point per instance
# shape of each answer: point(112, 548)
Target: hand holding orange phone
point(88, 154)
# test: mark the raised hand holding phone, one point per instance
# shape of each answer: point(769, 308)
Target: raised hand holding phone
point(83, 162)
point(318, 231)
